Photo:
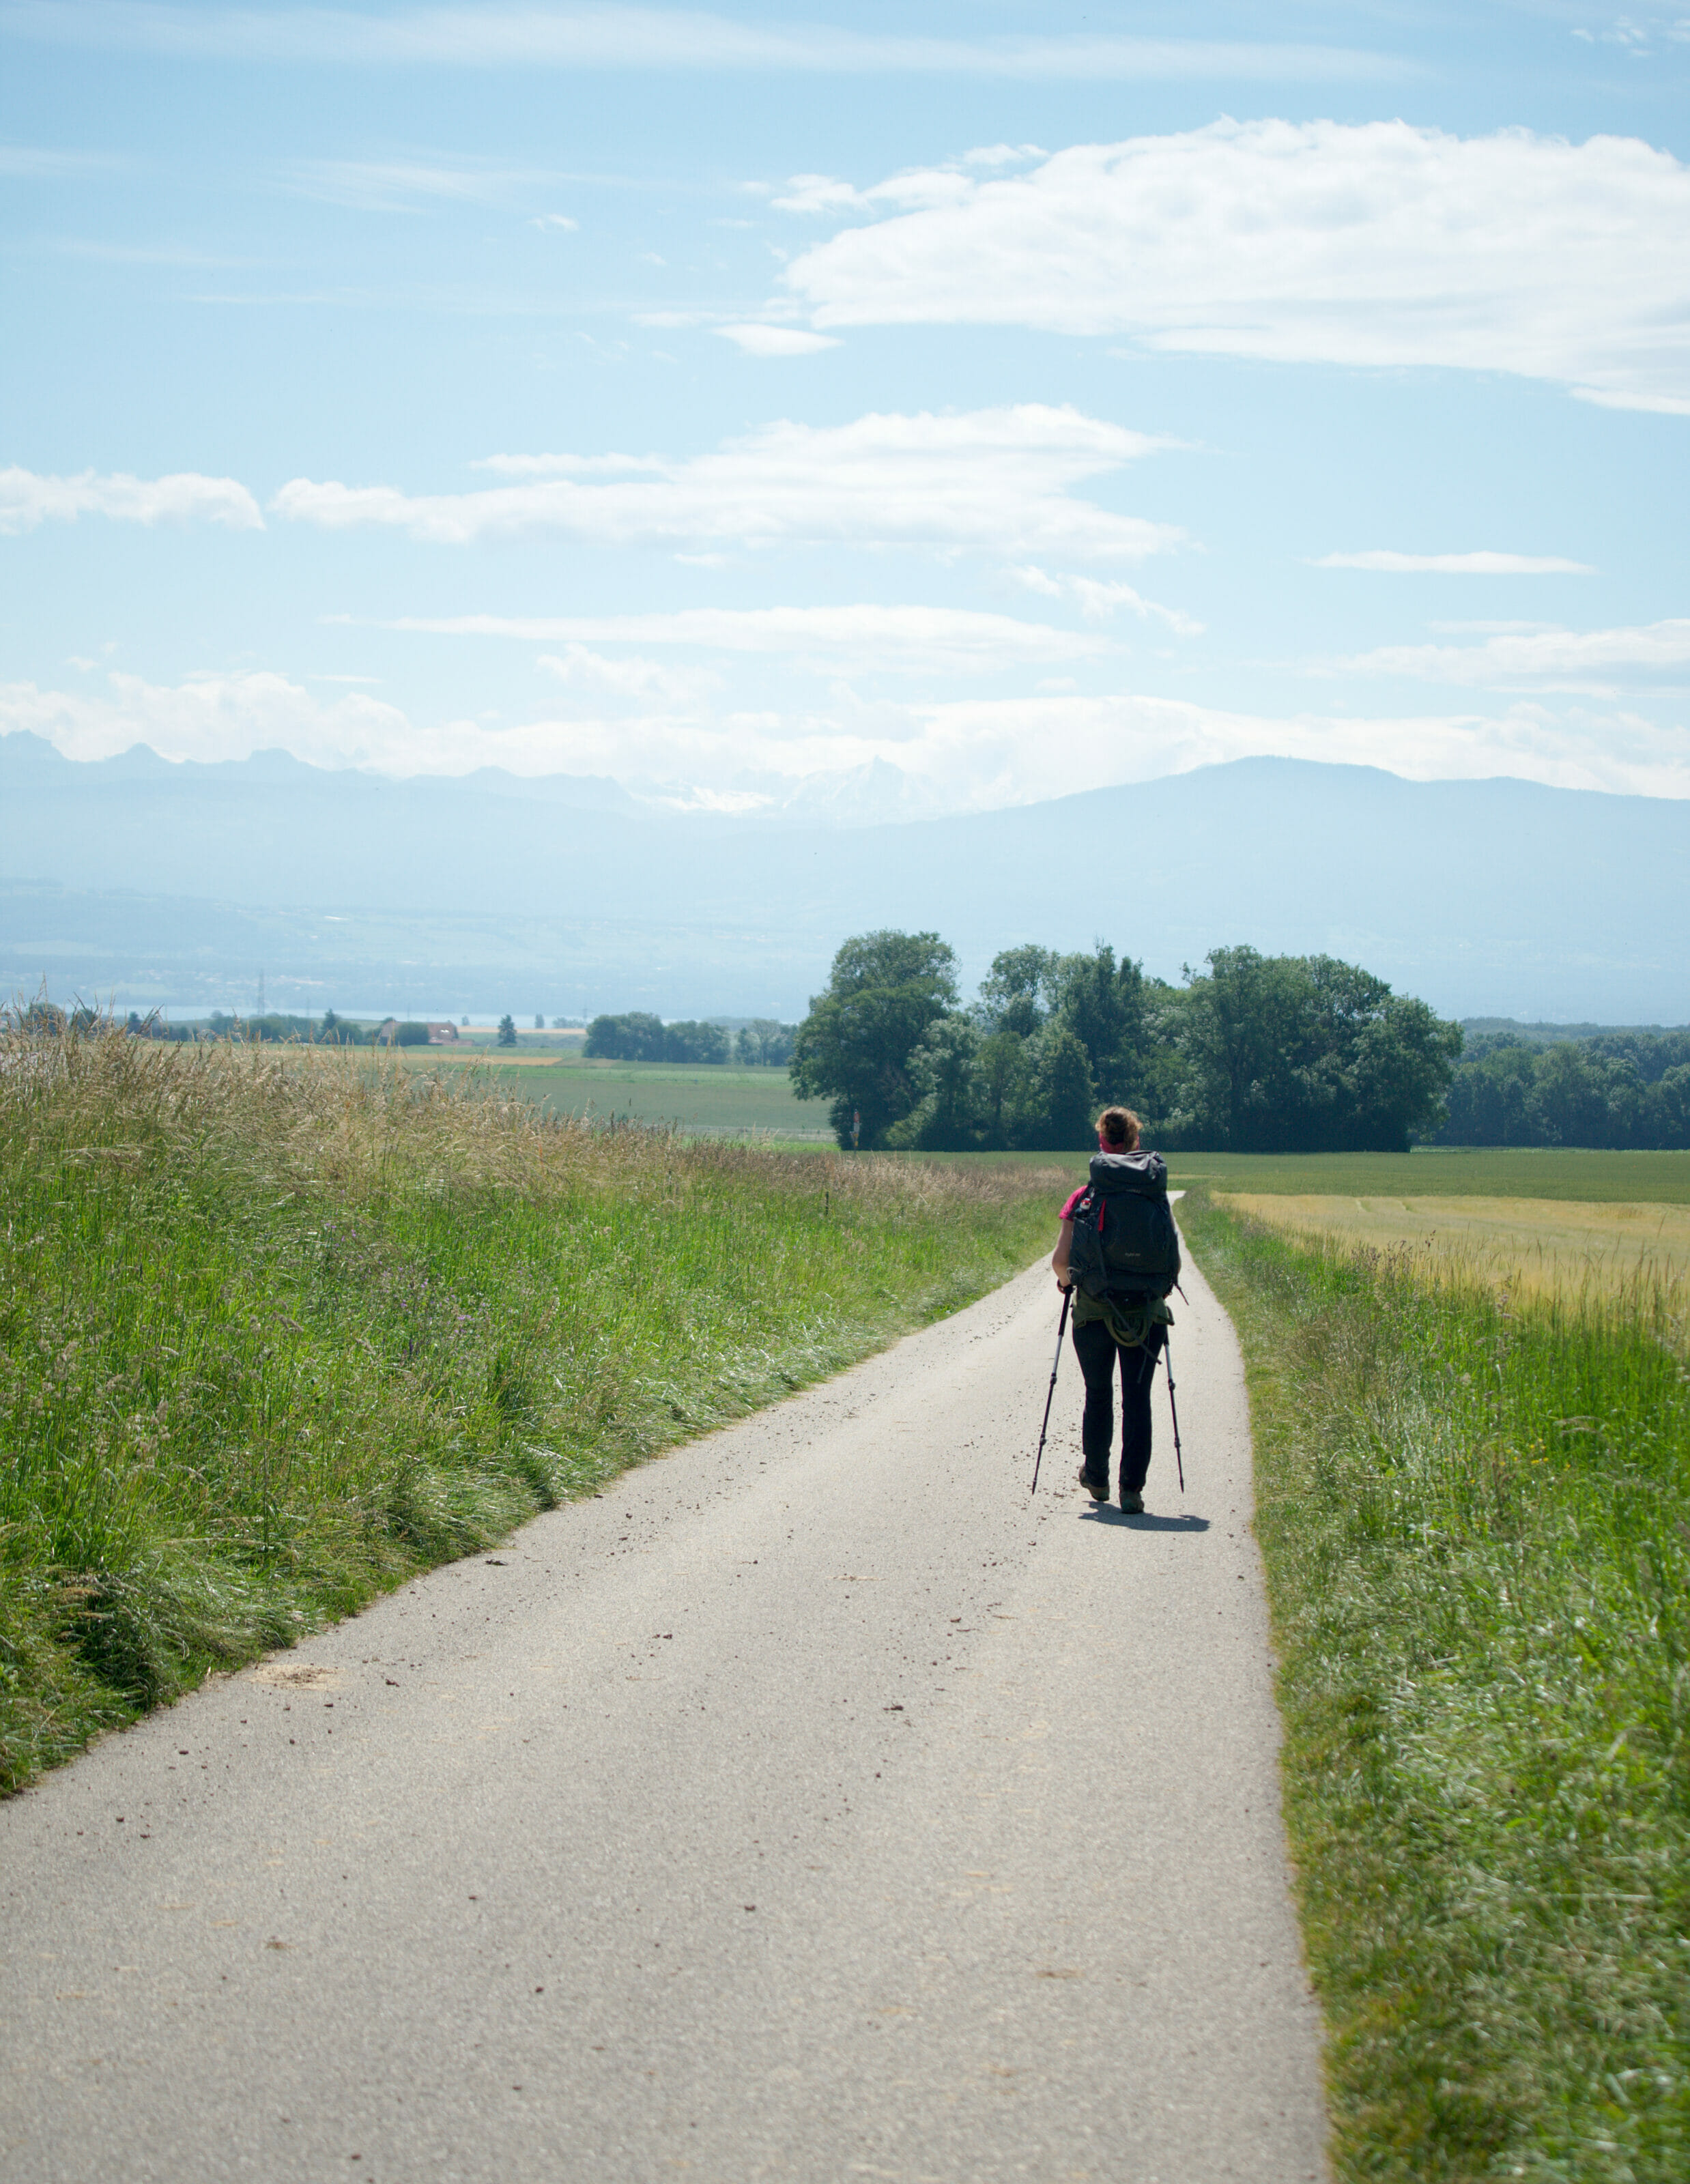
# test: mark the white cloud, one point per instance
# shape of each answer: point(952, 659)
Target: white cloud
point(1101, 601)
point(898, 638)
point(556, 219)
point(1664, 405)
point(1381, 244)
point(643, 681)
point(916, 189)
point(1468, 626)
point(212, 716)
point(961, 755)
point(27, 499)
point(1011, 750)
point(1456, 565)
point(913, 189)
point(996, 480)
point(1633, 37)
point(567, 466)
point(820, 193)
point(655, 39)
point(1004, 155)
point(1595, 660)
point(776, 341)
point(978, 754)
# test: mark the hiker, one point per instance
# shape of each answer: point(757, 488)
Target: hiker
point(1117, 1317)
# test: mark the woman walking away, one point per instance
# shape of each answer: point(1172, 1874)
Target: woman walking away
point(1117, 1252)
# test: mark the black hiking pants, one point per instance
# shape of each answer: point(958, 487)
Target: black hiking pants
point(1097, 1351)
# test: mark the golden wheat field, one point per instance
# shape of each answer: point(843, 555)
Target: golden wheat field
point(1542, 1245)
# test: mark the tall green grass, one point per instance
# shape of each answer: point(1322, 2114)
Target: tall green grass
point(1475, 1519)
point(277, 1329)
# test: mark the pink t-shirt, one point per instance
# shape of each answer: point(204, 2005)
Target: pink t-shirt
point(1071, 1201)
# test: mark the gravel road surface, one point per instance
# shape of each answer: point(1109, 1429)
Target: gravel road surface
point(810, 1805)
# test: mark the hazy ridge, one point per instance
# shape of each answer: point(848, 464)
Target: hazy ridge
point(174, 883)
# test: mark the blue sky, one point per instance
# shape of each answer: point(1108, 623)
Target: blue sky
point(915, 408)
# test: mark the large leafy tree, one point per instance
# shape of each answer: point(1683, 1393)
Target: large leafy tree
point(1002, 1078)
point(1403, 1060)
point(1061, 1099)
point(765, 1044)
point(853, 1049)
point(1241, 1026)
point(1109, 1008)
point(1102, 1003)
point(1304, 1053)
point(1016, 993)
point(1666, 1113)
point(637, 1036)
point(691, 1041)
point(944, 1073)
point(1574, 1100)
point(1487, 1098)
point(1620, 1088)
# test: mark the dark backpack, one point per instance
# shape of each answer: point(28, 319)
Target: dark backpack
point(1124, 1244)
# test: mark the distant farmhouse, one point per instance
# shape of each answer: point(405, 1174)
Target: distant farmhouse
point(393, 1033)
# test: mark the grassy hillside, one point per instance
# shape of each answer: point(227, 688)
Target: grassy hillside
point(277, 1329)
point(1475, 1517)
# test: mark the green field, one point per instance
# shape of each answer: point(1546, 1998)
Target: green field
point(1596, 1177)
point(697, 1100)
point(759, 1103)
point(1474, 1512)
point(1446, 1171)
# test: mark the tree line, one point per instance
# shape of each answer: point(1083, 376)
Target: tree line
point(1253, 1054)
point(762, 1044)
point(1624, 1089)
point(276, 1026)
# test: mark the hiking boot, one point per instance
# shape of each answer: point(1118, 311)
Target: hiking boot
point(1132, 1505)
point(1098, 1493)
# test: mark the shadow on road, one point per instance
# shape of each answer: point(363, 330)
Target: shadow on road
point(1105, 1512)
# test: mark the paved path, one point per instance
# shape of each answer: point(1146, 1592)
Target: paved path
point(808, 1806)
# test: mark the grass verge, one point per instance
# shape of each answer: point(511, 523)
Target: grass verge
point(1476, 1520)
point(278, 1330)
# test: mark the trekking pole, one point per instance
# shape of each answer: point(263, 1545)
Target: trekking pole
point(1061, 1326)
point(1173, 1410)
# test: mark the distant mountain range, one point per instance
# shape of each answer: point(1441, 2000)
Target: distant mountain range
point(174, 883)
